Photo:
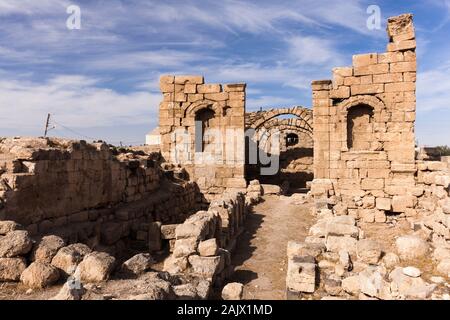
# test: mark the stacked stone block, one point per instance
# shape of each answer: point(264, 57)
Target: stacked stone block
point(184, 98)
point(204, 241)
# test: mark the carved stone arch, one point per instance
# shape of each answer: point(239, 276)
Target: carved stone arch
point(364, 106)
point(191, 110)
point(303, 114)
point(371, 101)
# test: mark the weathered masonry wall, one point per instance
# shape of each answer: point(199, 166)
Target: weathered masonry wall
point(364, 126)
point(85, 193)
point(217, 163)
point(202, 245)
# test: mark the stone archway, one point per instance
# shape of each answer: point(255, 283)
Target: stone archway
point(295, 161)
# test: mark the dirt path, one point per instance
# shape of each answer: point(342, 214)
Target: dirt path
point(260, 254)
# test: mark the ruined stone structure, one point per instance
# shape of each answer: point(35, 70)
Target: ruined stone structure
point(214, 115)
point(70, 208)
point(86, 193)
point(364, 141)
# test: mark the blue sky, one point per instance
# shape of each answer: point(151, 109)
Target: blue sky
point(102, 81)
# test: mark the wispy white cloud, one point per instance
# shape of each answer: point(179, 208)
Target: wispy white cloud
point(76, 101)
point(433, 87)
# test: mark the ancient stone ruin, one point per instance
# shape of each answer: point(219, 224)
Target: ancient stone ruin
point(177, 219)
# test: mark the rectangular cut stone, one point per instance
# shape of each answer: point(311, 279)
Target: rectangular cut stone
point(402, 45)
point(403, 67)
point(400, 87)
point(390, 57)
point(343, 72)
point(190, 88)
point(189, 79)
point(301, 275)
point(362, 60)
point(367, 89)
point(372, 69)
point(372, 184)
point(234, 87)
point(388, 78)
point(383, 204)
point(341, 93)
point(209, 88)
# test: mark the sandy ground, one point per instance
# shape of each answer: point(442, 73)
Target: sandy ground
point(260, 254)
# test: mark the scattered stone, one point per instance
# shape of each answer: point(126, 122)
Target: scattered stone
point(208, 248)
point(95, 267)
point(444, 267)
point(39, 275)
point(345, 260)
point(390, 260)
point(412, 272)
point(441, 253)
point(233, 291)
point(368, 251)
point(8, 226)
point(333, 286)
point(68, 258)
point(269, 189)
point(185, 291)
point(409, 287)
point(206, 266)
point(45, 249)
point(15, 243)
point(11, 268)
point(301, 274)
point(137, 264)
point(72, 290)
point(336, 244)
point(295, 248)
point(372, 283)
point(351, 285)
point(437, 280)
point(411, 247)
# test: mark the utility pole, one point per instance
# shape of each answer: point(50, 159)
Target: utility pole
point(46, 125)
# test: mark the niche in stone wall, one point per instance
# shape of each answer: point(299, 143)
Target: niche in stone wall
point(360, 127)
point(292, 139)
point(204, 120)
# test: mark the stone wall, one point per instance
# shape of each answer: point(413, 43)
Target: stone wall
point(88, 192)
point(364, 141)
point(217, 163)
point(203, 243)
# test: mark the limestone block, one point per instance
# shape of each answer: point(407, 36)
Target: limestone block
point(96, 267)
point(11, 268)
point(209, 88)
point(189, 79)
point(388, 77)
point(342, 92)
point(401, 203)
point(402, 45)
point(362, 60)
point(8, 226)
point(68, 258)
point(15, 243)
point(39, 275)
point(234, 87)
point(380, 68)
point(403, 67)
point(400, 87)
point(208, 248)
point(368, 251)
point(367, 89)
point(383, 204)
point(46, 248)
point(233, 291)
point(301, 274)
point(206, 266)
point(168, 231)
point(336, 244)
point(411, 247)
point(154, 236)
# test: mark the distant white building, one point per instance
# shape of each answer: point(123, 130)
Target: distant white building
point(153, 138)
